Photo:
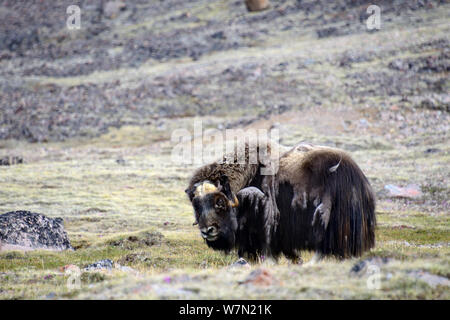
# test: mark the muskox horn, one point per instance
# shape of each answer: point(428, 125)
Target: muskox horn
point(224, 186)
point(234, 203)
point(335, 167)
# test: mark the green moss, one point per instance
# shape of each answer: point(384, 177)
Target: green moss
point(415, 236)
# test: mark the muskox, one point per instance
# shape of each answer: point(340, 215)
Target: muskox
point(319, 200)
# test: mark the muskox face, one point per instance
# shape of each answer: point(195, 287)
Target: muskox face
point(215, 214)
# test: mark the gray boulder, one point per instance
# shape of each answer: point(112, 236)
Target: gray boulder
point(25, 230)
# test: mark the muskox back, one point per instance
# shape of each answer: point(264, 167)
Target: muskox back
point(325, 202)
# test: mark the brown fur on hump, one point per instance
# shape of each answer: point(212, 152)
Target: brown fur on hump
point(296, 158)
point(330, 176)
point(291, 171)
point(239, 175)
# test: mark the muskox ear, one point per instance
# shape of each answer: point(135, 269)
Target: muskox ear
point(224, 187)
point(190, 193)
point(221, 203)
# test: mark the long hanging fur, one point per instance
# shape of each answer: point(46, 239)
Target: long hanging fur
point(326, 204)
point(319, 200)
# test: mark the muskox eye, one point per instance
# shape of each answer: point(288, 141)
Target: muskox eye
point(221, 204)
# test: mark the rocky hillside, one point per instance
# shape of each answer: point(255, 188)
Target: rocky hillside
point(142, 61)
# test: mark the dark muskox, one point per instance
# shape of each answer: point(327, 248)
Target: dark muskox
point(318, 200)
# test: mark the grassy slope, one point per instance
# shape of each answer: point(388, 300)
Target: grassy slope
point(102, 201)
point(114, 201)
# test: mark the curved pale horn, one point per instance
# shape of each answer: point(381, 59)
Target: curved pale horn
point(234, 203)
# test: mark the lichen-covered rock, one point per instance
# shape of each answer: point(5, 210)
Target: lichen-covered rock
point(105, 264)
point(25, 230)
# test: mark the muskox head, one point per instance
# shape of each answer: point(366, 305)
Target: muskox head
point(215, 213)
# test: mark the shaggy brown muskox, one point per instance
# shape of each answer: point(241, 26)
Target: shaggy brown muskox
point(318, 200)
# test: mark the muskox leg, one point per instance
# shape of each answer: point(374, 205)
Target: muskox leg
point(294, 257)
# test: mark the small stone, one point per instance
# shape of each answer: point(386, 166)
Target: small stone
point(218, 35)
point(257, 5)
point(360, 268)
point(99, 265)
point(120, 161)
point(432, 150)
point(10, 160)
point(112, 8)
point(431, 279)
point(241, 263)
point(259, 277)
point(411, 191)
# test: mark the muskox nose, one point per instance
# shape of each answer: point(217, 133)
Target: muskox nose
point(207, 231)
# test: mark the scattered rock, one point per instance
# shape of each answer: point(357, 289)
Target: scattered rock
point(429, 64)
point(257, 5)
point(120, 161)
point(400, 65)
point(112, 8)
point(350, 57)
point(9, 161)
point(432, 150)
point(403, 226)
point(434, 102)
point(19, 40)
point(99, 265)
point(360, 268)
point(68, 268)
point(411, 191)
point(241, 263)
point(25, 230)
point(259, 277)
point(327, 32)
point(142, 239)
point(219, 35)
point(134, 258)
point(431, 279)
